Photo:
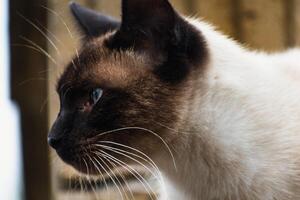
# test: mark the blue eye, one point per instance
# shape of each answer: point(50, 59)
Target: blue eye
point(96, 95)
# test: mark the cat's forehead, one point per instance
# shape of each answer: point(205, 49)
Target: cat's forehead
point(102, 66)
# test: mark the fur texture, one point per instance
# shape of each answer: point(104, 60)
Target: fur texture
point(241, 125)
point(230, 116)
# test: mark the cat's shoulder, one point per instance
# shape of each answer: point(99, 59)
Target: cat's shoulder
point(288, 62)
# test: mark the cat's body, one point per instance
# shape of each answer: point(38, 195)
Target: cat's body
point(242, 126)
point(229, 116)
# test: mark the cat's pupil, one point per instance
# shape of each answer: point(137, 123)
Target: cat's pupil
point(96, 95)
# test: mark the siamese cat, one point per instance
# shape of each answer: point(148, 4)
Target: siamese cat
point(169, 93)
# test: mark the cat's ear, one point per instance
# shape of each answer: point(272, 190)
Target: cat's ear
point(147, 14)
point(93, 23)
point(145, 22)
point(156, 29)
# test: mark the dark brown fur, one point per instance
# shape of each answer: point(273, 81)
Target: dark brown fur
point(144, 79)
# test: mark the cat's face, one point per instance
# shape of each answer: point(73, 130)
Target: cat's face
point(126, 88)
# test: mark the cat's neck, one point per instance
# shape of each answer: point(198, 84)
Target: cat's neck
point(215, 150)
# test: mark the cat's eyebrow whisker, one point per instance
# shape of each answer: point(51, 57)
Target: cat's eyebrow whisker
point(136, 174)
point(66, 26)
point(60, 18)
point(61, 43)
point(99, 157)
point(66, 92)
point(40, 48)
point(78, 58)
point(115, 150)
point(141, 129)
point(74, 65)
point(31, 79)
point(146, 159)
point(50, 33)
point(27, 46)
point(66, 84)
point(41, 31)
point(34, 48)
point(44, 103)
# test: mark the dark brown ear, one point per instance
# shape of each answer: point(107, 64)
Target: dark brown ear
point(145, 22)
point(147, 14)
point(156, 29)
point(92, 23)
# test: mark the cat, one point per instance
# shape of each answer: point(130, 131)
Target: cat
point(219, 121)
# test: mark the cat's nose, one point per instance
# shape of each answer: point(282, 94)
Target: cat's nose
point(54, 142)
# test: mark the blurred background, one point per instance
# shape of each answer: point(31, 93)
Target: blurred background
point(38, 39)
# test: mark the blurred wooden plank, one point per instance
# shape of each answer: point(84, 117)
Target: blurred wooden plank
point(219, 13)
point(182, 6)
point(295, 9)
point(263, 23)
point(29, 90)
point(111, 7)
point(297, 22)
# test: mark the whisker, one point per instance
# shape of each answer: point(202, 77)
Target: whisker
point(88, 177)
point(31, 79)
point(133, 159)
point(60, 18)
point(66, 92)
point(108, 173)
point(82, 185)
point(50, 33)
point(120, 184)
point(77, 54)
point(157, 175)
point(45, 102)
point(27, 46)
point(96, 166)
point(66, 26)
point(94, 189)
point(141, 129)
point(40, 30)
point(146, 159)
point(136, 174)
point(123, 178)
point(103, 178)
point(40, 48)
point(169, 128)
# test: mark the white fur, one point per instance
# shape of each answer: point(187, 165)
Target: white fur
point(248, 117)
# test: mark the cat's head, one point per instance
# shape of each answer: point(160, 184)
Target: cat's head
point(127, 86)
